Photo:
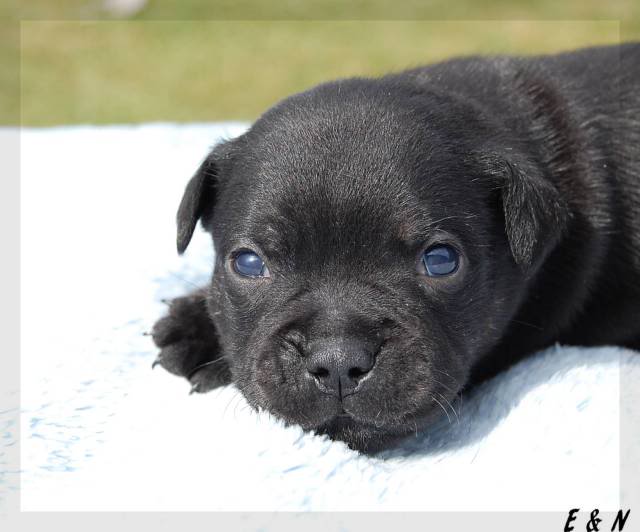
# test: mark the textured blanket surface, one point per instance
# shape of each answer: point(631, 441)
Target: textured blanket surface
point(102, 431)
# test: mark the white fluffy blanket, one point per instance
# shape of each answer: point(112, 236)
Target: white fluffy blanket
point(102, 431)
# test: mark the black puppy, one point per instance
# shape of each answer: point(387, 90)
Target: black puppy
point(384, 243)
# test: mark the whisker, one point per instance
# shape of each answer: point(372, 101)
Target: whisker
point(235, 408)
point(445, 386)
point(455, 381)
point(442, 220)
point(415, 425)
point(224, 413)
point(450, 405)
point(443, 408)
point(528, 324)
point(443, 372)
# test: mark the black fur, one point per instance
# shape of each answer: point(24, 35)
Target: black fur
point(529, 166)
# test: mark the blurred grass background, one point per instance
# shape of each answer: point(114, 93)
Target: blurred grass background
point(123, 61)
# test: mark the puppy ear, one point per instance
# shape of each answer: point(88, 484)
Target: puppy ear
point(199, 196)
point(535, 214)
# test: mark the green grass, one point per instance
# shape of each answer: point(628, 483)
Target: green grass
point(335, 9)
point(158, 68)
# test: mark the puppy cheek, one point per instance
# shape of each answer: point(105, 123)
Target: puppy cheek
point(399, 389)
point(282, 388)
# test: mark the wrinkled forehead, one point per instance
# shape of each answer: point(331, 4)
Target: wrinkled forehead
point(337, 191)
point(363, 180)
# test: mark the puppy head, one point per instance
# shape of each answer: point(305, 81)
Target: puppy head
point(369, 251)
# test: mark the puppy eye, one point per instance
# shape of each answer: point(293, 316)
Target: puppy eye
point(440, 260)
point(249, 264)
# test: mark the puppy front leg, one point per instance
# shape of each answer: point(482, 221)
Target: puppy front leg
point(189, 345)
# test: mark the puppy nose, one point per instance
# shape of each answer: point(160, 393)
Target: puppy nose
point(338, 367)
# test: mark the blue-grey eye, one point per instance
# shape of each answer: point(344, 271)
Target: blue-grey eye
point(440, 260)
point(249, 264)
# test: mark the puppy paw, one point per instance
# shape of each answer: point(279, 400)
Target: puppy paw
point(189, 345)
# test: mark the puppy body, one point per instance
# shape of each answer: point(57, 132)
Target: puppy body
point(529, 168)
point(577, 116)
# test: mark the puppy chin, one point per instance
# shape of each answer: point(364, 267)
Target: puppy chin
point(327, 416)
point(364, 436)
point(370, 433)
